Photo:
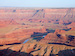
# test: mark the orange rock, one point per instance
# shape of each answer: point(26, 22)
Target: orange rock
point(58, 39)
point(71, 25)
point(42, 50)
point(59, 31)
point(4, 41)
point(72, 29)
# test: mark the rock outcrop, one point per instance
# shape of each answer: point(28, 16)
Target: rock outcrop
point(61, 39)
point(71, 25)
point(36, 49)
point(37, 13)
point(72, 29)
point(57, 31)
point(4, 41)
point(23, 34)
point(4, 23)
point(19, 24)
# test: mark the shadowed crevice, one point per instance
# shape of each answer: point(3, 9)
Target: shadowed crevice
point(61, 44)
point(9, 52)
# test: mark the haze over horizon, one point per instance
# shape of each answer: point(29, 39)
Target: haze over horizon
point(38, 3)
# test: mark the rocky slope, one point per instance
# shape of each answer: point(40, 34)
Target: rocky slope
point(59, 37)
point(23, 33)
point(4, 23)
point(37, 49)
point(19, 24)
point(4, 41)
point(38, 13)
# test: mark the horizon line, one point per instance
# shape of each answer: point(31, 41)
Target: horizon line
point(36, 7)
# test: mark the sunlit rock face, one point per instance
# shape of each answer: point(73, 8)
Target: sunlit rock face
point(36, 49)
point(59, 31)
point(58, 38)
point(47, 32)
point(4, 41)
point(38, 13)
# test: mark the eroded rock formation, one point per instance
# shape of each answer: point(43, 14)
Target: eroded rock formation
point(36, 49)
point(4, 41)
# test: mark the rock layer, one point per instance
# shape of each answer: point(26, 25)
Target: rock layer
point(4, 41)
point(36, 49)
point(59, 38)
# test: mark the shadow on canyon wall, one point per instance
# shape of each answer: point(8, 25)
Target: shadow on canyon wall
point(50, 31)
point(67, 23)
point(11, 44)
point(67, 52)
point(9, 52)
point(67, 29)
point(38, 36)
point(60, 44)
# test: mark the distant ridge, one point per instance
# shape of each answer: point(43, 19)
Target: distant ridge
point(36, 7)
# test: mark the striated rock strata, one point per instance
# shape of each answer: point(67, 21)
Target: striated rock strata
point(37, 49)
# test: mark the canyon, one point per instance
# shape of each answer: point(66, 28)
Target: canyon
point(37, 31)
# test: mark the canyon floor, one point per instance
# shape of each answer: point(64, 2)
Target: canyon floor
point(48, 32)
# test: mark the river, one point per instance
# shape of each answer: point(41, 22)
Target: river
point(29, 39)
